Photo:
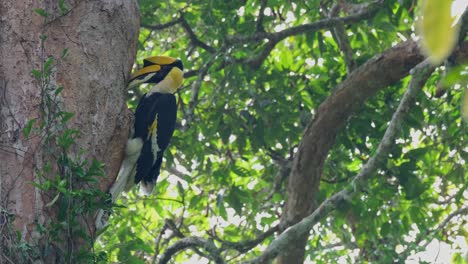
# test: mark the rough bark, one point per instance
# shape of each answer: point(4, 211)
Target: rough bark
point(101, 40)
point(319, 136)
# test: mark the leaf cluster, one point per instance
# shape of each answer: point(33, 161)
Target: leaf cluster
point(225, 174)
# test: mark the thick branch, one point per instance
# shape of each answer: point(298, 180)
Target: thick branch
point(319, 136)
point(282, 243)
point(189, 242)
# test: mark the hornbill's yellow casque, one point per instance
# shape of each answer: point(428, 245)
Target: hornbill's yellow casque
point(155, 119)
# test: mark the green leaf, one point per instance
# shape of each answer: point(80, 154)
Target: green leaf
point(385, 229)
point(53, 200)
point(28, 127)
point(459, 194)
point(95, 169)
point(220, 204)
point(464, 105)
point(438, 35)
point(240, 171)
point(64, 53)
point(188, 178)
point(39, 186)
point(66, 116)
point(36, 74)
point(67, 138)
point(234, 201)
point(457, 258)
point(63, 208)
point(41, 12)
point(58, 90)
point(180, 189)
point(194, 201)
point(48, 66)
point(159, 209)
point(63, 7)
point(416, 154)
point(412, 186)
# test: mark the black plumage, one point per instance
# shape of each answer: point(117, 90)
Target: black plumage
point(155, 119)
point(162, 108)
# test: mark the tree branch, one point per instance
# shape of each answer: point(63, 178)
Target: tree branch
point(190, 242)
point(189, 113)
point(339, 34)
point(311, 27)
point(162, 26)
point(275, 38)
point(247, 245)
point(185, 25)
point(420, 74)
point(190, 73)
point(158, 242)
point(463, 26)
point(284, 168)
point(261, 15)
point(193, 38)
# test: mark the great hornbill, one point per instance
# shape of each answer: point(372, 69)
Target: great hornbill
point(155, 119)
point(154, 123)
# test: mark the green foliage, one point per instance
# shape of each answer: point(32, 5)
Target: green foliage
point(63, 7)
point(223, 170)
point(41, 12)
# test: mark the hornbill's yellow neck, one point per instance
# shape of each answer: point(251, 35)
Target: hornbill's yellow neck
point(171, 82)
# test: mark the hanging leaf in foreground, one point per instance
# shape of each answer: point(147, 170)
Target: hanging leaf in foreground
point(438, 34)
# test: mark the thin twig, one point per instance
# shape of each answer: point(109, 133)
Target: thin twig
point(306, 28)
point(190, 242)
point(196, 85)
point(162, 26)
point(261, 15)
point(193, 38)
point(244, 246)
point(339, 34)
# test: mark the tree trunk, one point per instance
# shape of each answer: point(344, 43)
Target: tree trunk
point(100, 38)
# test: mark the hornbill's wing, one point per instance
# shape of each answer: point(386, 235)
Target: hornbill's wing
point(158, 115)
